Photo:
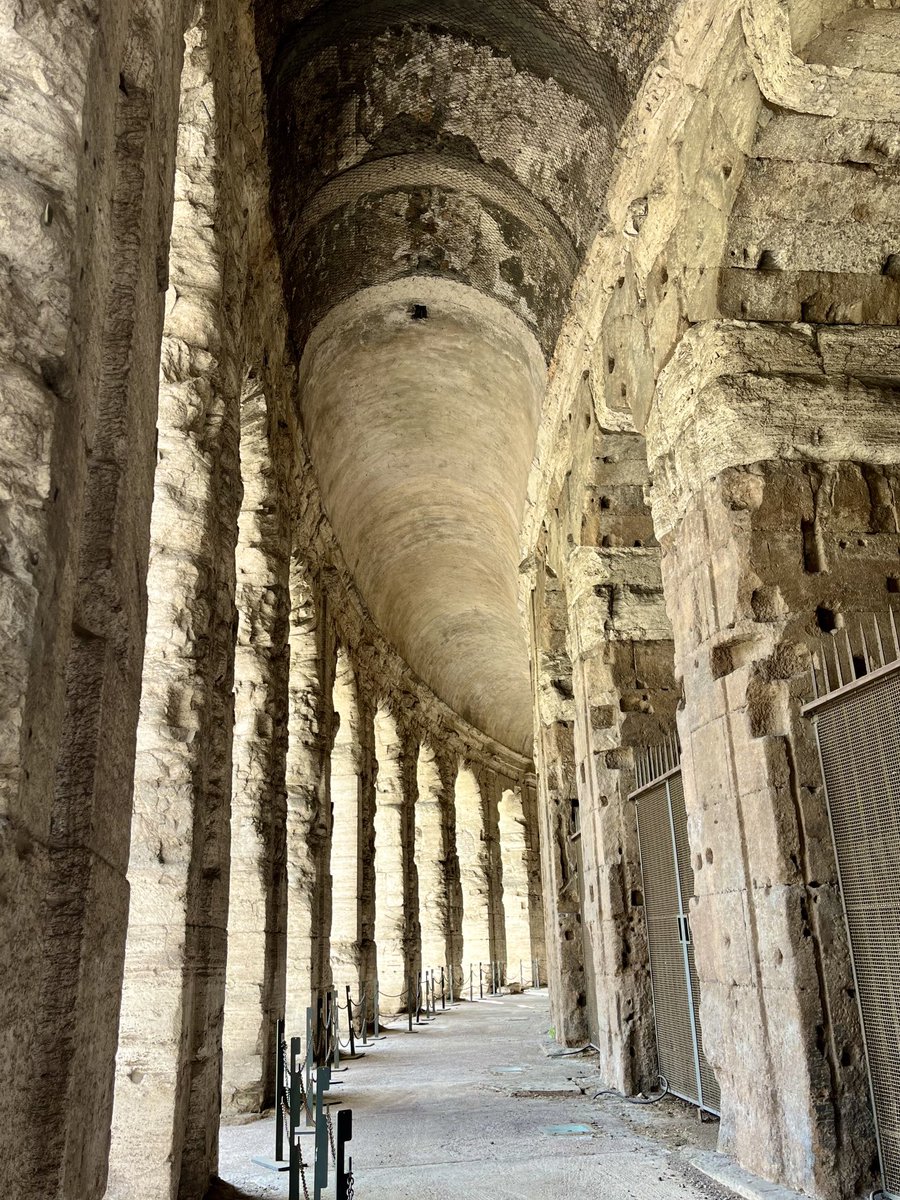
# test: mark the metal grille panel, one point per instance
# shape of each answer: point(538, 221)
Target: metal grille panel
point(671, 997)
point(709, 1087)
point(859, 740)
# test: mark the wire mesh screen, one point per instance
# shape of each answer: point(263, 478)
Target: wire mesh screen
point(858, 729)
point(671, 996)
point(709, 1087)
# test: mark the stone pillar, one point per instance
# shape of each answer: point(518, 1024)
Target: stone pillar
point(514, 858)
point(491, 787)
point(774, 452)
point(431, 859)
point(86, 196)
point(346, 832)
point(448, 767)
point(554, 752)
point(168, 1083)
point(625, 697)
point(390, 889)
point(471, 852)
point(258, 890)
point(528, 794)
point(307, 796)
point(368, 801)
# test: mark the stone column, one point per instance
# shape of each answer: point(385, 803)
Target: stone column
point(307, 796)
point(514, 858)
point(431, 859)
point(346, 833)
point(448, 767)
point(554, 752)
point(528, 794)
point(258, 891)
point(491, 787)
point(87, 153)
point(471, 852)
point(168, 1082)
point(390, 897)
point(774, 453)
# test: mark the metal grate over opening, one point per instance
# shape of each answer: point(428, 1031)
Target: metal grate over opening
point(668, 886)
point(858, 731)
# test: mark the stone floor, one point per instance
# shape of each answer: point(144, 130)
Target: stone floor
point(474, 1105)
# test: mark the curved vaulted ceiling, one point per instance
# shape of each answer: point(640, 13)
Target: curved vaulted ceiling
point(438, 171)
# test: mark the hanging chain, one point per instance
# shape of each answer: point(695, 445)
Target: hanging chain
point(303, 1177)
point(330, 1128)
point(349, 1186)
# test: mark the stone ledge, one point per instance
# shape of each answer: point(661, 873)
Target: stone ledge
point(728, 1174)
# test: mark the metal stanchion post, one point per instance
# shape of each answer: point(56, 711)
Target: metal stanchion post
point(350, 1022)
point(344, 1135)
point(443, 995)
point(323, 1082)
point(409, 1009)
point(480, 983)
point(471, 997)
point(376, 1000)
point(364, 1009)
point(279, 1090)
point(309, 1064)
point(296, 1099)
point(335, 1026)
point(521, 975)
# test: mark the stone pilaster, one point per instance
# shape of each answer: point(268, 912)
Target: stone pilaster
point(774, 455)
point(168, 1085)
point(554, 754)
point(430, 857)
point(346, 832)
point(471, 853)
point(307, 797)
point(390, 888)
point(624, 691)
point(515, 885)
point(255, 976)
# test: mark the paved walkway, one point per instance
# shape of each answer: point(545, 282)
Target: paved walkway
point(473, 1106)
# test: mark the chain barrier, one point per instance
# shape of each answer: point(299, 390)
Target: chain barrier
point(296, 1098)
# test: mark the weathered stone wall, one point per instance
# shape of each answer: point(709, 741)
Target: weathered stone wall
point(87, 142)
point(772, 499)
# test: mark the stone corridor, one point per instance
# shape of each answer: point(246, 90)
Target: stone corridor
point(472, 1105)
point(450, 515)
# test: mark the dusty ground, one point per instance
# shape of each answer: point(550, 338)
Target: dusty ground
point(471, 1105)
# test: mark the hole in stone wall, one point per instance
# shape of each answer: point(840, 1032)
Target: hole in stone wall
point(419, 312)
point(893, 584)
point(610, 364)
point(891, 266)
point(826, 619)
point(767, 261)
point(859, 666)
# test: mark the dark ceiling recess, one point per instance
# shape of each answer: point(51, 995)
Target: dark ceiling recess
point(420, 312)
